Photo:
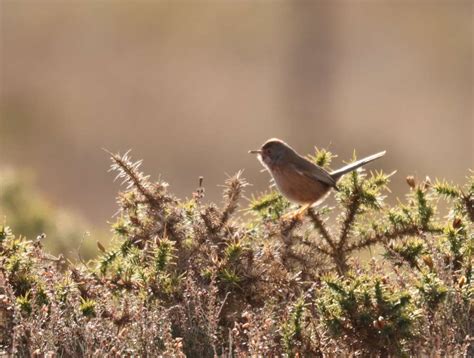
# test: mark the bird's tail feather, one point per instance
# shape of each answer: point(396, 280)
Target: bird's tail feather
point(353, 166)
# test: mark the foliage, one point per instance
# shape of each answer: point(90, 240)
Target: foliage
point(29, 214)
point(372, 317)
point(183, 277)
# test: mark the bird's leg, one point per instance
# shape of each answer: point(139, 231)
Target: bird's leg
point(297, 214)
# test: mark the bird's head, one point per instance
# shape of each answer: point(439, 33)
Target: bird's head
point(273, 152)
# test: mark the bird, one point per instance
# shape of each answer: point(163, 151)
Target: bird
point(298, 179)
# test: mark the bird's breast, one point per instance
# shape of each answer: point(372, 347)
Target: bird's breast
point(298, 188)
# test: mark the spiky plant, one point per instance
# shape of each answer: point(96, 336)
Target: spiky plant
point(201, 279)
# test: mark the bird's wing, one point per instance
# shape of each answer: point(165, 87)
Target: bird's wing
point(306, 168)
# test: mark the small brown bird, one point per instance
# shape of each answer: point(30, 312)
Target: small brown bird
point(298, 179)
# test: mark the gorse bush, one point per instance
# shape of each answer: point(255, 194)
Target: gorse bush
point(30, 214)
point(184, 277)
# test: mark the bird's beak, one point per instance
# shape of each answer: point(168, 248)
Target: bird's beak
point(256, 151)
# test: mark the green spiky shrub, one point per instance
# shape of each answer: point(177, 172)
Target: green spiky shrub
point(30, 214)
point(190, 277)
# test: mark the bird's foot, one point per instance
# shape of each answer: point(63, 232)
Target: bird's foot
point(297, 215)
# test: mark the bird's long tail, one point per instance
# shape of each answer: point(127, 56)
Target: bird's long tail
point(337, 174)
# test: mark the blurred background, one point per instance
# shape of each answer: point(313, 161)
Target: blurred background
point(191, 86)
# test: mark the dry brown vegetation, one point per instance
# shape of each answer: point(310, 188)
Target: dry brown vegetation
point(185, 278)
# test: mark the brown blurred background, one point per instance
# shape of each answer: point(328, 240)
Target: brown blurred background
point(190, 86)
